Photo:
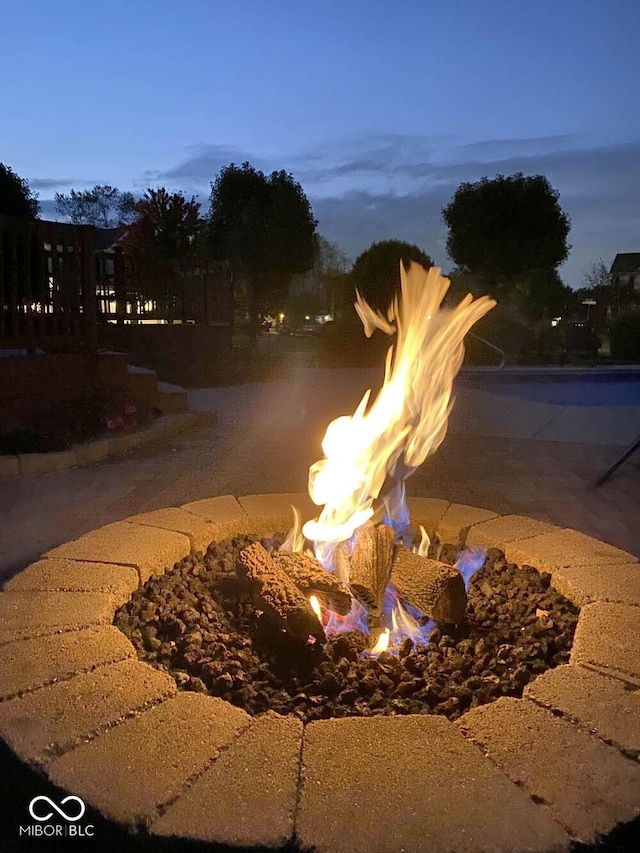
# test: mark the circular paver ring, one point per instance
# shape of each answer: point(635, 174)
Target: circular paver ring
point(518, 774)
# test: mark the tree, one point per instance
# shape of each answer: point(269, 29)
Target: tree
point(265, 227)
point(611, 297)
point(166, 228)
point(376, 272)
point(597, 275)
point(542, 295)
point(330, 260)
point(103, 206)
point(505, 228)
point(16, 199)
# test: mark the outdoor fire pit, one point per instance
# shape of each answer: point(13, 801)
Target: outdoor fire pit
point(115, 732)
point(356, 687)
point(259, 644)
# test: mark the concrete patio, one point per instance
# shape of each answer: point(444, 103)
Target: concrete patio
point(72, 673)
point(502, 453)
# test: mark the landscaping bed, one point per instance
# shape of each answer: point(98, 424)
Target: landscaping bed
point(93, 415)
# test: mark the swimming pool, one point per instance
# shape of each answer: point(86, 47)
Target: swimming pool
point(598, 387)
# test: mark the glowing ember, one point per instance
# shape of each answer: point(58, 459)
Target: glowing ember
point(384, 441)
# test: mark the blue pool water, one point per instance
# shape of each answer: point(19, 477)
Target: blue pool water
point(598, 389)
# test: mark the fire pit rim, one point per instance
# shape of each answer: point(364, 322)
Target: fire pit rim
point(262, 514)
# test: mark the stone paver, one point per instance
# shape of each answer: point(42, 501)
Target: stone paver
point(587, 786)
point(248, 796)
point(410, 784)
point(143, 763)
point(497, 532)
point(618, 582)
point(199, 531)
point(602, 705)
point(272, 513)
point(223, 513)
point(32, 614)
point(53, 719)
point(9, 466)
point(149, 549)
point(427, 512)
point(563, 548)
point(28, 664)
point(93, 451)
point(127, 441)
point(268, 435)
point(608, 637)
point(455, 523)
point(77, 576)
point(44, 463)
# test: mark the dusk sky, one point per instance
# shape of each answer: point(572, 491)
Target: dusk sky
point(379, 109)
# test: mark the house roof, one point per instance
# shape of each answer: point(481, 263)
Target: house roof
point(626, 262)
point(105, 238)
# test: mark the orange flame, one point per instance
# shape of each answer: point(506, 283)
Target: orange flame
point(382, 644)
point(408, 419)
point(314, 601)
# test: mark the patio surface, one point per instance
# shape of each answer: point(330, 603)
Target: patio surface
point(502, 453)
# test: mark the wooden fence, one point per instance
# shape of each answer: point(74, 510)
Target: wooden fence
point(47, 286)
point(199, 291)
point(56, 286)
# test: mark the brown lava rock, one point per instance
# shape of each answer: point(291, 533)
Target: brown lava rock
point(202, 626)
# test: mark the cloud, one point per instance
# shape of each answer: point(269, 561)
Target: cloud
point(202, 164)
point(599, 188)
point(51, 183)
point(384, 185)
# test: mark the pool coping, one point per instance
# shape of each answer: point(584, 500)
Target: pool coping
point(247, 782)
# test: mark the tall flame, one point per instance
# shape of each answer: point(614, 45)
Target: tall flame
point(385, 440)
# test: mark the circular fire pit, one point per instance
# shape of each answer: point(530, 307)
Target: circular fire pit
point(517, 774)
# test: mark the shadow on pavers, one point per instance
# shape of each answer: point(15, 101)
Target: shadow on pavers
point(19, 785)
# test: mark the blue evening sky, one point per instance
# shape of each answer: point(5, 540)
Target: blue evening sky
point(380, 109)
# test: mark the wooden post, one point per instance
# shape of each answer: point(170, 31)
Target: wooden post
point(89, 291)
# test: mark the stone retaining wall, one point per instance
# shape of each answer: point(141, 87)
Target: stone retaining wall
point(25, 464)
point(518, 774)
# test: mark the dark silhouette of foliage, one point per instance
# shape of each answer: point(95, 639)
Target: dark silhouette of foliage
point(166, 229)
point(16, 199)
point(265, 227)
point(330, 260)
point(376, 272)
point(597, 275)
point(505, 228)
point(103, 206)
point(541, 294)
point(625, 335)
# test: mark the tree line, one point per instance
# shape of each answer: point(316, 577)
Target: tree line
point(506, 236)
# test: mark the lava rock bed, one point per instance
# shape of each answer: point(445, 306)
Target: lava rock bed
point(192, 623)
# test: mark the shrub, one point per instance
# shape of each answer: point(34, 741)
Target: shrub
point(76, 421)
point(625, 336)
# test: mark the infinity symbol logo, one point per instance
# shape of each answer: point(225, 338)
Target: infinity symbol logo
point(57, 808)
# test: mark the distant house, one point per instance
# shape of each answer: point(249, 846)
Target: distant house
point(625, 271)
